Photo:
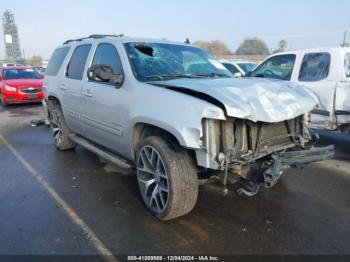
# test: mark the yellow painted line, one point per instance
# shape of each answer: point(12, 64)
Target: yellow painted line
point(73, 216)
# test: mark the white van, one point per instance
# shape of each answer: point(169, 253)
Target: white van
point(324, 70)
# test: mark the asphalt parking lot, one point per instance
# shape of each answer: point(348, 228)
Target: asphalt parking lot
point(307, 212)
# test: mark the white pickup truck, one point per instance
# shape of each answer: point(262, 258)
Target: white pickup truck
point(326, 71)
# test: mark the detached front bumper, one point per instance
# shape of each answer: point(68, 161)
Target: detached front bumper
point(307, 156)
point(294, 158)
point(279, 161)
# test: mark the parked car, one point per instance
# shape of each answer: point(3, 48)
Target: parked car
point(326, 71)
point(238, 67)
point(20, 84)
point(10, 64)
point(40, 69)
point(172, 111)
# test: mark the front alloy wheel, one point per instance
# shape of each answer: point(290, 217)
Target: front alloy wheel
point(167, 177)
point(153, 179)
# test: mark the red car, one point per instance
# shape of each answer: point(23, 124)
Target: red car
point(20, 84)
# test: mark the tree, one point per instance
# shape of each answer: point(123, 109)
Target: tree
point(36, 60)
point(11, 38)
point(215, 47)
point(282, 46)
point(253, 46)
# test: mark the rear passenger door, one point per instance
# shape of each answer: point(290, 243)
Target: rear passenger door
point(104, 106)
point(315, 73)
point(71, 87)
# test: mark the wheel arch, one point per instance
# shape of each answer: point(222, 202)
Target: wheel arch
point(142, 130)
point(51, 99)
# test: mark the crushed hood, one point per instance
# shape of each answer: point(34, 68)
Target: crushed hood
point(256, 99)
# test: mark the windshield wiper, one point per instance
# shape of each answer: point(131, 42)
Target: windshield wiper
point(212, 75)
point(164, 76)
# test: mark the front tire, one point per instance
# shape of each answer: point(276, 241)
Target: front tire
point(167, 178)
point(59, 129)
point(3, 100)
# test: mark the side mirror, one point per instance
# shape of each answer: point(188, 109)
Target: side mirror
point(238, 74)
point(42, 75)
point(104, 73)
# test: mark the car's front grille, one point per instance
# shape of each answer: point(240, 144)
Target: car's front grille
point(30, 90)
point(255, 138)
point(274, 134)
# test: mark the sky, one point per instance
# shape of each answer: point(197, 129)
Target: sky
point(43, 25)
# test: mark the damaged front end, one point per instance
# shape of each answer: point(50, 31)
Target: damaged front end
point(252, 155)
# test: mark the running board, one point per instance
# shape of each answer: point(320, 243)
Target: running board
point(98, 151)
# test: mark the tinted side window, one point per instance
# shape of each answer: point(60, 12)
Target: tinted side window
point(107, 54)
point(315, 67)
point(77, 62)
point(278, 67)
point(56, 61)
point(231, 68)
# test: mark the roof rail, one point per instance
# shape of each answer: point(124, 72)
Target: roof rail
point(94, 36)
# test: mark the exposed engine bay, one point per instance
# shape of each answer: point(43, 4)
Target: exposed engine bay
point(254, 154)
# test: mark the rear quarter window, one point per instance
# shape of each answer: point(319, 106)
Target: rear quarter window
point(56, 61)
point(315, 67)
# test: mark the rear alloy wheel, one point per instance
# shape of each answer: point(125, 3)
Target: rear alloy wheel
point(167, 178)
point(59, 129)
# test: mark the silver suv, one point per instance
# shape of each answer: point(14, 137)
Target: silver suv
point(176, 114)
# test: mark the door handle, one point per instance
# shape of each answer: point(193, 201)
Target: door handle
point(87, 93)
point(63, 87)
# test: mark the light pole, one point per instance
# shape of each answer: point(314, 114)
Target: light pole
point(344, 39)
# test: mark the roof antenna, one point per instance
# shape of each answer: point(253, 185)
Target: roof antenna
point(187, 41)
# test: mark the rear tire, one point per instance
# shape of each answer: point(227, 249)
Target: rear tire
point(59, 129)
point(167, 178)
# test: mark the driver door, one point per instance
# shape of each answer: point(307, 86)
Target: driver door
point(104, 106)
